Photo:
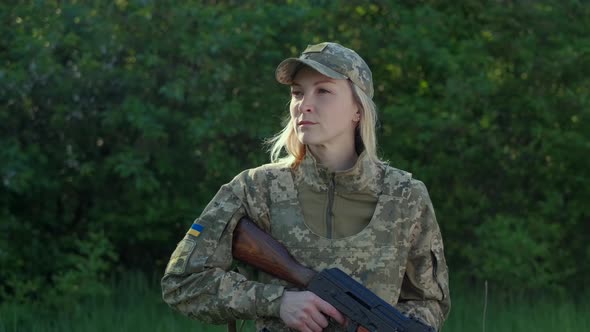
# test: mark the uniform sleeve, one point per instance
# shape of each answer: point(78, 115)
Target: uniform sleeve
point(425, 288)
point(198, 281)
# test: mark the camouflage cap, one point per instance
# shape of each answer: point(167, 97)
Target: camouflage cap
point(332, 60)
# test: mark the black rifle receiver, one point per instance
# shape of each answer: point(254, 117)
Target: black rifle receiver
point(360, 305)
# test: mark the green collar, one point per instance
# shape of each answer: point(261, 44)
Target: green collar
point(364, 177)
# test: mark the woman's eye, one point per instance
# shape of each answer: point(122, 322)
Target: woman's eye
point(322, 91)
point(296, 93)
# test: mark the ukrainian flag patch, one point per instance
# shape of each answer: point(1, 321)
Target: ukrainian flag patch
point(195, 229)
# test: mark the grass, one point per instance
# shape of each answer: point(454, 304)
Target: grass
point(515, 313)
point(135, 305)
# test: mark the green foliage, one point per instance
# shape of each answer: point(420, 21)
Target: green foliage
point(513, 250)
point(489, 107)
point(119, 121)
point(85, 269)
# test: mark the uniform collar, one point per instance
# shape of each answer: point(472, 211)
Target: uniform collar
point(364, 177)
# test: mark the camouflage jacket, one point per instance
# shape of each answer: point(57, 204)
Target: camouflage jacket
point(398, 255)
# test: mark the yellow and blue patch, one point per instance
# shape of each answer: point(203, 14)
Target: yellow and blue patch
point(195, 229)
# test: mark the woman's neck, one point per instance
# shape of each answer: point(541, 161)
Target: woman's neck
point(334, 159)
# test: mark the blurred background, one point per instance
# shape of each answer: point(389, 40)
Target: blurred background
point(119, 120)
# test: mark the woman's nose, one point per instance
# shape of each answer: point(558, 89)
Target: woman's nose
point(306, 105)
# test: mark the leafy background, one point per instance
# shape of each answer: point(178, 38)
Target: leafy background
point(120, 120)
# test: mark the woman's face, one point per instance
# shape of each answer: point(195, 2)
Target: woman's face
point(323, 110)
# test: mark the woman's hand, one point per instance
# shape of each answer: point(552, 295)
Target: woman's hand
point(306, 312)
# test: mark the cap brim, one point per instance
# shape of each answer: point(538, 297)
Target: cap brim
point(287, 69)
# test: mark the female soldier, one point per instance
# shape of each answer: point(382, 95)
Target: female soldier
point(330, 201)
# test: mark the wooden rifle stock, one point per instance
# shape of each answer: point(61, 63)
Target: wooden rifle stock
point(254, 246)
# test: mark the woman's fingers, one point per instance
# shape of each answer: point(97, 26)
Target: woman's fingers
point(305, 311)
point(329, 310)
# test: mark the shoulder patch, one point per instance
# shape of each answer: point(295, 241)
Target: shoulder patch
point(180, 256)
point(195, 230)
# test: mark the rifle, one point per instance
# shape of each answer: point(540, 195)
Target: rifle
point(365, 310)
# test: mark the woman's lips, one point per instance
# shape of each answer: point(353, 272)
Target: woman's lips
point(305, 123)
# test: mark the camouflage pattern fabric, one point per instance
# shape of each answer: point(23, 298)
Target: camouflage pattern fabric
point(398, 255)
point(332, 60)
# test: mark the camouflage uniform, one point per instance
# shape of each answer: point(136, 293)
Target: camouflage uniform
point(398, 255)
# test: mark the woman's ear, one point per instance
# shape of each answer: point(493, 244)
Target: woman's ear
point(357, 116)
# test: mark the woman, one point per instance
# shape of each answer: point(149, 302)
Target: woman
point(330, 201)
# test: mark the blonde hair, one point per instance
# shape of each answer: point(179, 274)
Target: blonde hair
point(365, 136)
